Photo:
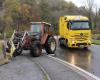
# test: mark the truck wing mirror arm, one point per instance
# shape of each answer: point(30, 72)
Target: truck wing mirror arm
point(68, 25)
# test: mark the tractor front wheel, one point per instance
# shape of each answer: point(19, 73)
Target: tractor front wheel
point(17, 52)
point(36, 49)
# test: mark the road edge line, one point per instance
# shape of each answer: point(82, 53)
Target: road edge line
point(87, 75)
point(43, 71)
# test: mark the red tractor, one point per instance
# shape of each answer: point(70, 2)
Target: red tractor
point(39, 37)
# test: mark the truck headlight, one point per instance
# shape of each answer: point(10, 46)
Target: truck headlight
point(73, 42)
point(89, 41)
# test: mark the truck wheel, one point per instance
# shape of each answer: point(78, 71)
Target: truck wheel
point(36, 49)
point(60, 43)
point(50, 45)
point(85, 48)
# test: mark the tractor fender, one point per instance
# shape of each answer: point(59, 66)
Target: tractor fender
point(44, 38)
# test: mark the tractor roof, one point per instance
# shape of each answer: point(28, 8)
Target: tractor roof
point(40, 23)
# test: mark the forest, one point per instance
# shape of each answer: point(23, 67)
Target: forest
point(16, 14)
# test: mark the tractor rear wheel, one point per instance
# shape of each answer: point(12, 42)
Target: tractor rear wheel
point(36, 49)
point(50, 45)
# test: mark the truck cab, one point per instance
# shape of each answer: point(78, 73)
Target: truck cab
point(74, 31)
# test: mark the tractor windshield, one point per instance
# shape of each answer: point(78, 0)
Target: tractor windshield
point(36, 28)
point(79, 25)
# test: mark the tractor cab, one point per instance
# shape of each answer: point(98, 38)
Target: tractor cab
point(40, 27)
point(40, 30)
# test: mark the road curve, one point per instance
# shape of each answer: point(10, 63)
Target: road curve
point(25, 67)
point(56, 70)
point(21, 68)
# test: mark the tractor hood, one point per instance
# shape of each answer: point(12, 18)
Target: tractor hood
point(34, 35)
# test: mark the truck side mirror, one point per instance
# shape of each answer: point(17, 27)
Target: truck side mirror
point(68, 25)
point(90, 24)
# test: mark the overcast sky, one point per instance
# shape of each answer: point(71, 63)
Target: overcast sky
point(82, 2)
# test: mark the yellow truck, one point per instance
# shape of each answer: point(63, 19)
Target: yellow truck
point(74, 31)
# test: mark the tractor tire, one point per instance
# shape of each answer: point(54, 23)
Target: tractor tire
point(36, 49)
point(50, 45)
point(17, 52)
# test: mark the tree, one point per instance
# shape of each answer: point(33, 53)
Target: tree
point(12, 16)
point(89, 6)
point(2, 24)
point(1, 2)
point(96, 16)
point(44, 11)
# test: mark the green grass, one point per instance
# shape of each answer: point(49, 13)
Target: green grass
point(96, 36)
point(0, 50)
point(0, 47)
point(97, 42)
point(96, 39)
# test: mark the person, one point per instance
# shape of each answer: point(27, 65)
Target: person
point(4, 47)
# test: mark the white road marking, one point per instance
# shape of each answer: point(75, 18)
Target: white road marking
point(82, 72)
point(44, 71)
point(47, 77)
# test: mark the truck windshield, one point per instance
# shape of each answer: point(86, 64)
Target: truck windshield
point(36, 28)
point(79, 25)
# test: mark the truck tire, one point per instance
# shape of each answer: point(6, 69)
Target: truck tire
point(36, 49)
point(60, 43)
point(50, 45)
point(85, 48)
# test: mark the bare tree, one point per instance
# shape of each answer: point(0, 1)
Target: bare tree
point(96, 16)
point(89, 6)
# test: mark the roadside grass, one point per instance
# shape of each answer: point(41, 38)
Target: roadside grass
point(0, 47)
point(0, 50)
point(96, 39)
point(96, 36)
point(97, 42)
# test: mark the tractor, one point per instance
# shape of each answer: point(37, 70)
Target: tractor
point(37, 38)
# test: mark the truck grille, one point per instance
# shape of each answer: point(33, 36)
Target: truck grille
point(81, 38)
point(78, 44)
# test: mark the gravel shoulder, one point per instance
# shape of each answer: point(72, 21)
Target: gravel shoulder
point(20, 69)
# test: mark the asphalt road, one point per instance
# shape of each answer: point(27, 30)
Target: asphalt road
point(20, 68)
point(25, 67)
point(88, 60)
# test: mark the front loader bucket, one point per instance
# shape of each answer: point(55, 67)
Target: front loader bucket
point(13, 44)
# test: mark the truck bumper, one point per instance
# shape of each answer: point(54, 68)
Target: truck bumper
point(79, 45)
